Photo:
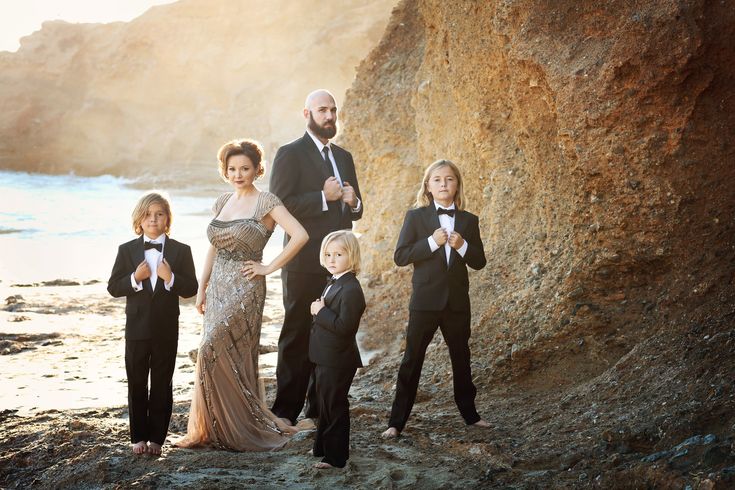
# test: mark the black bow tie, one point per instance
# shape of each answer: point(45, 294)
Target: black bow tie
point(450, 212)
point(157, 246)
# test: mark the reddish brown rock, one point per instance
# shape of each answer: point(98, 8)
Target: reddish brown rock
point(596, 142)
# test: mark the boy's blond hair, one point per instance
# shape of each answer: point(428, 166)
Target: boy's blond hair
point(141, 209)
point(349, 241)
point(424, 198)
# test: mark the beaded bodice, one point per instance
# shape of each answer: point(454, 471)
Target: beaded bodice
point(242, 239)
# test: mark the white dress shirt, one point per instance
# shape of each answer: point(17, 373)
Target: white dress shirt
point(320, 146)
point(446, 222)
point(153, 257)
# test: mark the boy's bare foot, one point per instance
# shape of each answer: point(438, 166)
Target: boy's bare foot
point(140, 447)
point(306, 424)
point(323, 466)
point(482, 424)
point(391, 433)
point(154, 449)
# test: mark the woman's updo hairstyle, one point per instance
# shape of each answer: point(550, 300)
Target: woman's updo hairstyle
point(250, 148)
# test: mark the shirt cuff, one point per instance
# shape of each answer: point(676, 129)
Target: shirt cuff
point(357, 208)
point(137, 286)
point(432, 244)
point(324, 202)
point(463, 249)
point(169, 285)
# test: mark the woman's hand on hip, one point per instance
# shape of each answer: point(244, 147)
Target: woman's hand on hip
point(251, 269)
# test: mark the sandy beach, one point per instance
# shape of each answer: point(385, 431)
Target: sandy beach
point(64, 414)
point(64, 418)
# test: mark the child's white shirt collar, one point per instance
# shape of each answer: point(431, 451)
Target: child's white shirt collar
point(160, 239)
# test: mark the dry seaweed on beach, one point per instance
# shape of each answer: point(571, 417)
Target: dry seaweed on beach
point(14, 343)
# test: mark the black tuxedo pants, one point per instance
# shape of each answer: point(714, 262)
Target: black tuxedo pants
point(294, 372)
point(422, 325)
point(332, 440)
point(150, 412)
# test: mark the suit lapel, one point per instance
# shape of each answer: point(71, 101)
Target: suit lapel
point(340, 161)
point(316, 158)
point(336, 287)
point(170, 251)
point(431, 219)
point(138, 251)
point(138, 257)
point(460, 223)
point(338, 158)
point(332, 292)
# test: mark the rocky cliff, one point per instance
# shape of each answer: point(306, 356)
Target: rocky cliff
point(173, 84)
point(596, 143)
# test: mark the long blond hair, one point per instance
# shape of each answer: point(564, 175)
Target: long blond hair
point(348, 240)
point(424, 197)
point(141, 208)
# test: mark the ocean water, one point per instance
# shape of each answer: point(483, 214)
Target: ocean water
point(69, 227)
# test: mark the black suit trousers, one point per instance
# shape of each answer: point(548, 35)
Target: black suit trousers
point(150, 411)
point(295, 371)
point(422, 325)
point(332, 440)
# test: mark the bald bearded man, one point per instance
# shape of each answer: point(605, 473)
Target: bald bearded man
point(317, 182)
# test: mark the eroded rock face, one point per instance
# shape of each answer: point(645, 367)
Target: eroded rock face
point(173, 84)
point(596, 142)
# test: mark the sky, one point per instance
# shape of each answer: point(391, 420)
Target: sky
point(20, 18)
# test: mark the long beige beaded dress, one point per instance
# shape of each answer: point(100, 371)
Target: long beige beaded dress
point(226, 408)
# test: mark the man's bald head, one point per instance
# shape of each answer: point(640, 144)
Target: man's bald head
point(318, 96)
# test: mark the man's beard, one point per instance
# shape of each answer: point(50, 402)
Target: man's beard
point(320, 131)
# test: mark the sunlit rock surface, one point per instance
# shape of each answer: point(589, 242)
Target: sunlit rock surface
point(596, 143)
point(169, 87)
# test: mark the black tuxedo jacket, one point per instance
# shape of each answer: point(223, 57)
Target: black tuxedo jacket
point(152, 314)
point(332, 342)
point(436, 284)
point(297, 178)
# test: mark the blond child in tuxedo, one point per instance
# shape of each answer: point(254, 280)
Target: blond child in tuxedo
point(440, 239)
point(333, 348)
point(151, 271)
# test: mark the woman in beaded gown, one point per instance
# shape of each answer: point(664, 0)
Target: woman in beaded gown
point(226, 409)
